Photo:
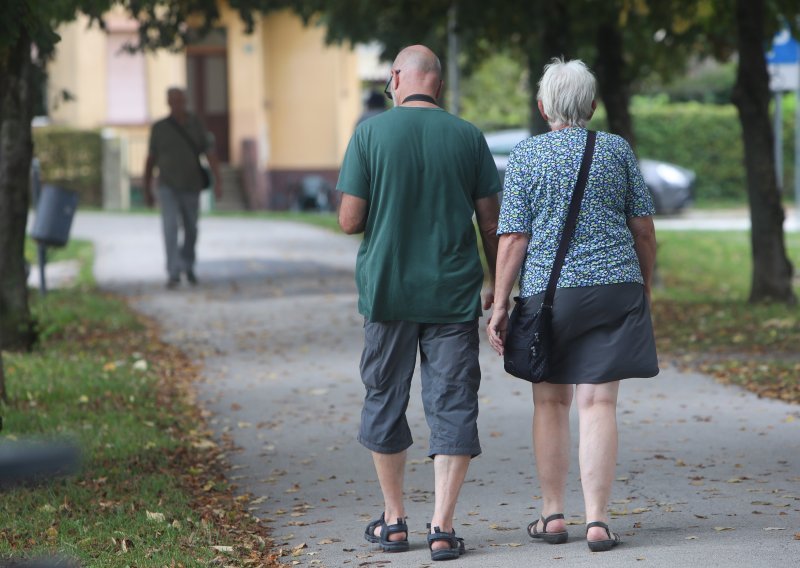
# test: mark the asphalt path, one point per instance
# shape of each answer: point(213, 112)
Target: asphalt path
point(708, 475)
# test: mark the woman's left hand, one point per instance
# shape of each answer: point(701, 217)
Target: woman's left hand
point(497, 328)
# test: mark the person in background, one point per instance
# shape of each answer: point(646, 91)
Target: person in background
point(411, 180)
point(601, 313)
point(373, 106)
point(176, 143)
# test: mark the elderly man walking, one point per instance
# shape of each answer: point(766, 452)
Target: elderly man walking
point(176, 143)
point(411, 180)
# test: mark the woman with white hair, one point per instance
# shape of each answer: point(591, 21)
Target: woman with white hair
point(601, 326)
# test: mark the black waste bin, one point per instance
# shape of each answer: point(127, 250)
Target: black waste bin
point(54, 213)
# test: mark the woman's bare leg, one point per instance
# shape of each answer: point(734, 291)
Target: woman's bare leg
point(551, 445)
point(597, 411)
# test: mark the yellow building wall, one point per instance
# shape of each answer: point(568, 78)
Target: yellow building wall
point(79, 68)
point(313, 95)
point(297, 97)
point(246, 98)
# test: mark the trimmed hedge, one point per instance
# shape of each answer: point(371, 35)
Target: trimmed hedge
point(72, 159)
point(706, 139)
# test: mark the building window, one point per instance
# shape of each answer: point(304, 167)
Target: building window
point(127, 89)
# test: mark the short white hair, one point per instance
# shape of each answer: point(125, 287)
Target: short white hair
point(567, 90)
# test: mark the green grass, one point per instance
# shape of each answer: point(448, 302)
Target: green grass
point(701, 314)
point(94, 379)
point(326, 220)
point(76, 250)
point(701, 297)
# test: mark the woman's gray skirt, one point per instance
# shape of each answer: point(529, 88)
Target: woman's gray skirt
point(601, 333)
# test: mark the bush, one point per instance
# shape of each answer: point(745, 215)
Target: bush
point(704, 138)
point(72, 159)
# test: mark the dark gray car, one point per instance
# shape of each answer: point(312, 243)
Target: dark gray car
point(671, 186)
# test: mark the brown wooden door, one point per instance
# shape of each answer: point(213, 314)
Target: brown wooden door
point(207, 91)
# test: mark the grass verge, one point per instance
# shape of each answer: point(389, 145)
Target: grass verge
point(151, 491)
point(703, 321)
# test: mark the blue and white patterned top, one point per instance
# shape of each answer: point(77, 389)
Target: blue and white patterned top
point(540, 176)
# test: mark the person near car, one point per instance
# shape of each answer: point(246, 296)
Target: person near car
point(412, 179)
point(175, 144)
point(601, 317)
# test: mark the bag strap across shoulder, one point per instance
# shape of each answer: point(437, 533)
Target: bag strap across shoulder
point(182, 131)
point(572, 219)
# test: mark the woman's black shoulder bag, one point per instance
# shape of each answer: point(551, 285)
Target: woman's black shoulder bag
point(529, 343)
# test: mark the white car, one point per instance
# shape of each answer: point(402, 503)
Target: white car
point(672, 186)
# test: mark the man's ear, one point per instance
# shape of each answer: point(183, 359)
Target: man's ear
point(439, 90)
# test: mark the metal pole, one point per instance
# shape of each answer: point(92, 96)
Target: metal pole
point(42, 249)
point(452, 57)
point(797, 155)
point(779, 139)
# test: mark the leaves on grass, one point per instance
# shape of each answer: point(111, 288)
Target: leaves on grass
point(737, 343)
point(157, 517)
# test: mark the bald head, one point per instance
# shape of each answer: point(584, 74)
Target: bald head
point(420, 60)
point(416, 69)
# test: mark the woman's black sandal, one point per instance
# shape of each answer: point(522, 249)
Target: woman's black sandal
point(549, 537)
point(456, 544)
point(602, 545)
point(386, 531)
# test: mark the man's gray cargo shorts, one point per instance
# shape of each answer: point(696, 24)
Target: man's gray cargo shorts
point(451, 377)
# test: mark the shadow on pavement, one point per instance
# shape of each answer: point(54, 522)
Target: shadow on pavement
point(245, 279)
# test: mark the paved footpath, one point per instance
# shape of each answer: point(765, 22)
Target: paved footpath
point(708, 475)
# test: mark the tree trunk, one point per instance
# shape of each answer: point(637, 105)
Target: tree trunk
point(3, 392)
point(772, 271)
point(611, 80)
point(16, 325)
point(554, 41)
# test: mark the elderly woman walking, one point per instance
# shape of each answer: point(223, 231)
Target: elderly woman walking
point(601, 317)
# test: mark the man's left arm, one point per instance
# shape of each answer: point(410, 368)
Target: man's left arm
point(487, 211)
point(352, 214)
point(213, 161)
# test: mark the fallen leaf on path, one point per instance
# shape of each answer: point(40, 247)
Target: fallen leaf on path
point(720, 529)
point(223, 548)
point(774, 528)
point(501, 528)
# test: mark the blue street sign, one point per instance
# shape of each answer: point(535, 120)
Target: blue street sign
point(785, 49)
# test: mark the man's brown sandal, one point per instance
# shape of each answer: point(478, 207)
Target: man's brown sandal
point(549, 537)
point(602, 545)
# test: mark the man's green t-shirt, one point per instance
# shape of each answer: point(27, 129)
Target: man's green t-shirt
point(421, 171)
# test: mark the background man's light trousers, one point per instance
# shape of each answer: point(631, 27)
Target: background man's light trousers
point(179, 209)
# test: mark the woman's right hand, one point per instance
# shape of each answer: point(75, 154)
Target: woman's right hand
point(497, 328)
